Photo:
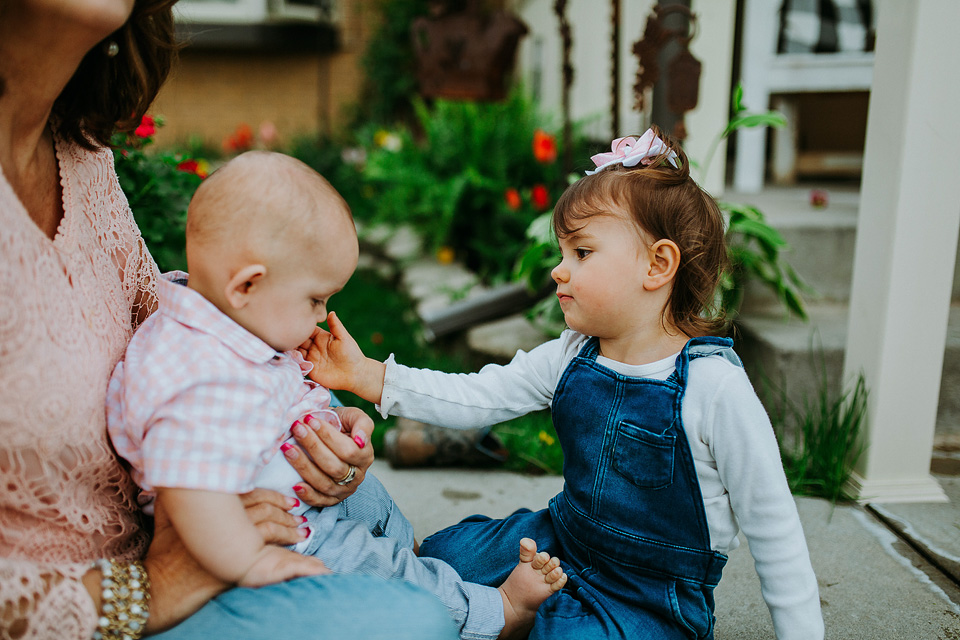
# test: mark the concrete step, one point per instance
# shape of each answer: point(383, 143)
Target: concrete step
point(785, 355)
point(821, 240)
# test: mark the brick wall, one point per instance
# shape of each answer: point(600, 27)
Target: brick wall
point(211, 92)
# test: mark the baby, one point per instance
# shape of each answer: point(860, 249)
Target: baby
point(211, 383)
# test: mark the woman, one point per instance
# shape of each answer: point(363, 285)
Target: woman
point(76, 280)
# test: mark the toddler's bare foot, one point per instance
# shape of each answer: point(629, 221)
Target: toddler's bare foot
point(536, 577)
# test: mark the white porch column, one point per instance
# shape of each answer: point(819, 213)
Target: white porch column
point(713, 46)
point(906, 245)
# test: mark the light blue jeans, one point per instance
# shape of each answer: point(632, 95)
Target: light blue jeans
point(328, 607)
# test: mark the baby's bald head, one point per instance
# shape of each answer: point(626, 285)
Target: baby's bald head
point(262, 204)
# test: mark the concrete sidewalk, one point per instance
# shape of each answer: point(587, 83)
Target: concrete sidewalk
point(873, 584)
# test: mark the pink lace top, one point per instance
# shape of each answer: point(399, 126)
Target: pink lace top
point(67, 309)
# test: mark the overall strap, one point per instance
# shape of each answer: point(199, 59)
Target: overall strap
point(702, 347)
point(590, 349)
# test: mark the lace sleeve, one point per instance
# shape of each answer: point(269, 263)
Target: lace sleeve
point(40, 602)
point(145, 287)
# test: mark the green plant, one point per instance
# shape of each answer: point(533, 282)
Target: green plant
point(532, 442)
point(820, 439)
point(472, 180)
point(754, 248)
point(389, 63)
point(158, 187)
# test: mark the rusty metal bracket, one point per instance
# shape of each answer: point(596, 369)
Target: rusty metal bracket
point(683, 70)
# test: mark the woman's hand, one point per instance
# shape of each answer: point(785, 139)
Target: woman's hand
point(331, 455)
point(268, 510)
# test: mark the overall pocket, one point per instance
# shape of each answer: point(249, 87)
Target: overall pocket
point(644, 457)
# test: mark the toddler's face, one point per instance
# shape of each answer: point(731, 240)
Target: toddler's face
point(600, 276)
point(292, 298)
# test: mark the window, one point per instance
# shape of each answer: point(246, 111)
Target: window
point(255, 11)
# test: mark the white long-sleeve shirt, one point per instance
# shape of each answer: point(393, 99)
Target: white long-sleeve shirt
point(732, 442)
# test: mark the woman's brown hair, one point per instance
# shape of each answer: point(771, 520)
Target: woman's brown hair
point(107, 94)
point(666, 203)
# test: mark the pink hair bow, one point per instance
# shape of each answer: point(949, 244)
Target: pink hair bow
point(630, 152)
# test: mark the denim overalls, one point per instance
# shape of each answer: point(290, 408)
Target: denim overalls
point(629, 526)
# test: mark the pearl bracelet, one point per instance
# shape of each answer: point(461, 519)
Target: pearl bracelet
point(125, 600)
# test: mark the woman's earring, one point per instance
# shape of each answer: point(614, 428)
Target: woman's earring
point(111, 48)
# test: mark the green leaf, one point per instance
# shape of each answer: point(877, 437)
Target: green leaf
point(738, 99)
point(770, 119)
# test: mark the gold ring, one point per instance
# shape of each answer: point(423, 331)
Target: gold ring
point(347, 479)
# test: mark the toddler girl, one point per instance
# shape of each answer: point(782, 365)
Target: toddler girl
point(668, 451)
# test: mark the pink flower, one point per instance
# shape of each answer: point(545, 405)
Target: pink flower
point(630, 152)
point(512, 196)
point(818, 198)
point(540, 197)
point(147, 127)
point(544, 147)
point(269, 135)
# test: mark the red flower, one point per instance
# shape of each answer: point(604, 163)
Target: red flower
point(147, 127)
point(512, 196)
point(240, 140)
point(544, 147)
point(540, 197)
point(197, 168)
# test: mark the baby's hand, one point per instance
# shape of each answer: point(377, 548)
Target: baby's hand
point(275, 564)
point(338, 362)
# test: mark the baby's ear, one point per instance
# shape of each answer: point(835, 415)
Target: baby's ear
point(664, 262)
point(244, 283)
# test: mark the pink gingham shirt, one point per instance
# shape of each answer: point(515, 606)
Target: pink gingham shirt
point(199, 402)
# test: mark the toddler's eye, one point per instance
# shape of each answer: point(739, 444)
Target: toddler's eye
point(315, 302)
point(582, 253)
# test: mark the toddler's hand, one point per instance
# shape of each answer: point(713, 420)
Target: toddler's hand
point(338, 362)
point(275, 564)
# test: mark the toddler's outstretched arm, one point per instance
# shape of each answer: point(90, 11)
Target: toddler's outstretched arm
point(338, 362)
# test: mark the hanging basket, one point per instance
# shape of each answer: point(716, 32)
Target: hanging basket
point(466, 55)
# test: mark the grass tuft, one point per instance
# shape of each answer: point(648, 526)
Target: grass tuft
point(820, 439)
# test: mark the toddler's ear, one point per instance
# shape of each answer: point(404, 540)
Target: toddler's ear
point(664, 262)
point(243, 283)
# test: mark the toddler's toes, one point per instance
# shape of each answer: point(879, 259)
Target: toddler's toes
point(551, 564)
point(540, 560)
point(528, 550)
point(556, 579)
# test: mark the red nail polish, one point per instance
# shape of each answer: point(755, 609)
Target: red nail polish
point(294, 503)
point(295, 423)
point(297, 488)
point(306, 532)
point(359, 440)
point(286, 446)
point(303, 519)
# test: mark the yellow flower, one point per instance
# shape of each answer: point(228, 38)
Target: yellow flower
point(445, 255)
point(387, 140)
point(546, 438)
